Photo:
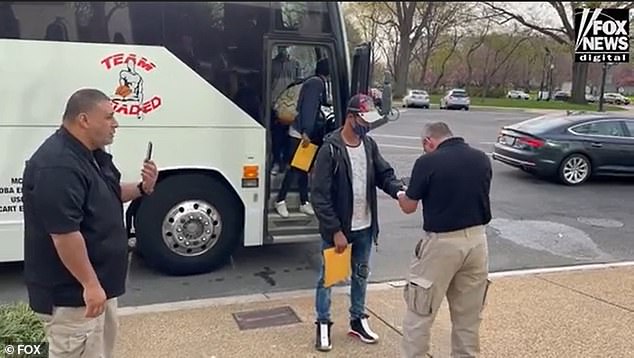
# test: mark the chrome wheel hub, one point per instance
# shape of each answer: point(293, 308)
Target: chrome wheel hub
point(191, 227)
point(576, 170)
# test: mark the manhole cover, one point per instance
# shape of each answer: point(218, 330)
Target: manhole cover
point(279, 316)
point(607, 223)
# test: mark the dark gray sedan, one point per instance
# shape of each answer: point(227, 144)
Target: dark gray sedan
point(570, 147)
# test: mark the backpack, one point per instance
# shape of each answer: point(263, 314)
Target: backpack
point(285, 105)
point(332, 157)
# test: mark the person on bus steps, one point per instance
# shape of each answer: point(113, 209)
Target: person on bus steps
point(304, 130)
point(347, 170)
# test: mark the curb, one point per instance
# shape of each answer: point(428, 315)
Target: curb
point(264, 297)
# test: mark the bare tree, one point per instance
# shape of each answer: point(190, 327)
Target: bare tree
point(442, 18)
point(455, 39)
point(477, 42)
point(502, 46)
point(563, 34)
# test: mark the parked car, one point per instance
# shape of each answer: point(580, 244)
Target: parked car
point(455, 98)
point(516, 94)
point(570, 147)
point(590, 98)
point(615, 98)
point(561, 96)
point(416, 98)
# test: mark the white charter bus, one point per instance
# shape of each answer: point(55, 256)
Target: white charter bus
point(198, 79)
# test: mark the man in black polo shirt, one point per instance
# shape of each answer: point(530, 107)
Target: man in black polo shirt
point(75, 242)
point(452, 180)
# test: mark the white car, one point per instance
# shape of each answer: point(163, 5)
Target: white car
point(455, 98)
point(615, 98)
point(515, 94)
point(416, 98)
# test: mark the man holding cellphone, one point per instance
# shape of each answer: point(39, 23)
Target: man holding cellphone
point(75, 241)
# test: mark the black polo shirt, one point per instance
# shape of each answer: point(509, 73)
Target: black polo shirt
point(68, 188)
point(453, 183)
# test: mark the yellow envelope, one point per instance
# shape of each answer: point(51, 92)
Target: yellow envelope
point(304, 156)
point(338, 267)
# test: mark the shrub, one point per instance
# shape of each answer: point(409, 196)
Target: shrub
point(19, 324)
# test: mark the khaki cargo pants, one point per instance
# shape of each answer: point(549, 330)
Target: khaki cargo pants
point(71, 335)
point(454, 264)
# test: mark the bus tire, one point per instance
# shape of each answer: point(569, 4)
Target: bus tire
point(176, 224)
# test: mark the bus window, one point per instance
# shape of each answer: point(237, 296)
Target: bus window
point(95, 22)
point(302, 16)
point(222, 42)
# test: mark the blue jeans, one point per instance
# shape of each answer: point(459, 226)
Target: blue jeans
point(361, 247)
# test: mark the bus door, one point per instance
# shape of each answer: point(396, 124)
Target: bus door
point(289, 64)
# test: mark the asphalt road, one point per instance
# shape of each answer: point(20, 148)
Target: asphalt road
point(536, 224)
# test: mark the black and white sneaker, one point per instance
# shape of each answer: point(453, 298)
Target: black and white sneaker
point(360, 328)
point(322, 340)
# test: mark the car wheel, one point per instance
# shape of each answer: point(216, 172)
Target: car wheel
point(191, 224)
point(575, 169)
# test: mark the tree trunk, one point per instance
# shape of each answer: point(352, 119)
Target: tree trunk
point(402, 66)
point(442, 68)
point(579, 78)
point(425, 64)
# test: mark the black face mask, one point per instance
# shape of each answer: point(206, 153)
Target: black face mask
point(360, 130)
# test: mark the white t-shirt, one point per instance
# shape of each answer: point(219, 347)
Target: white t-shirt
point(361, 218)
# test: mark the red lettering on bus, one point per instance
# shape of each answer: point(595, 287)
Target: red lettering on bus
point(134, 109)
point(120, 59)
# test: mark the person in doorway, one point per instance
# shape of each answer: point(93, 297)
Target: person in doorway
point(453, 181)
point(348, 169)
point(285, 71)
point(75, 240)
point(303, 131)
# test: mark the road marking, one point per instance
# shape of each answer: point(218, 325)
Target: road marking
point(401, 147)
point(395, 136)
point(260, 297)
point(411, 148)
point(414, 138)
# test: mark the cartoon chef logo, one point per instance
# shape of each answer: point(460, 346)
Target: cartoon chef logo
point(129, 96)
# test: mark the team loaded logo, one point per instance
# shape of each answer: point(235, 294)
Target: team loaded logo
point(129, 96)
point(602, 35)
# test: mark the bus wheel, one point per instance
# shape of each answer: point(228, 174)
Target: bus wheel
point(190, 224)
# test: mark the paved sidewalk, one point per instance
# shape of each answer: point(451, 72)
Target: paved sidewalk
point(588, 313)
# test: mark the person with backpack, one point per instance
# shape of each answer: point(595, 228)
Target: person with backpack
point(305, 129)
point(347, 169)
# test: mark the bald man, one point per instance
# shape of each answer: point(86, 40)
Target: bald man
point(75, 241)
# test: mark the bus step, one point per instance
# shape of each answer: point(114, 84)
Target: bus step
point(294, 239)
point(296, 224)
point(292, 201)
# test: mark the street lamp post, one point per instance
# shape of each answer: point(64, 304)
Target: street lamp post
point(604, 73)
point(550, 86)
point(544, 74)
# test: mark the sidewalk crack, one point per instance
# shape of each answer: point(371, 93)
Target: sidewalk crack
point(588, 295)
point(384, 321)
point(428, 355)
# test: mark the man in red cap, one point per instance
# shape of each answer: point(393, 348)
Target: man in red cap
point(347, 169)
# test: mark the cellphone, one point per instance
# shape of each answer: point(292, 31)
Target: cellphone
point(148, 156)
